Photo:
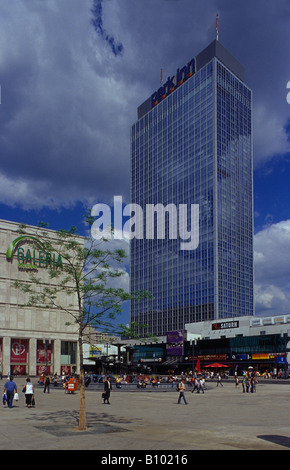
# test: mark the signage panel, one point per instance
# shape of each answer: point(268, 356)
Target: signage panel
point(225, 325)
point(19, 350)
point(212, 357)
point(94, 351)
point(174, 346)
point(173, 82)
point(260, 356)
point(31, 259)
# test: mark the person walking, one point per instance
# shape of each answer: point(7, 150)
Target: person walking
point(219, 381)
point(10, 388)
point(195, 385)
point(107, 390)
point(181, 388)
point(28, 389)
point(253, 383)
point(46, 384)
point(244, 384)
point(247, 383)
point(201, 385)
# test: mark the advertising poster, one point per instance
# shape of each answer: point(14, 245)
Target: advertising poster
point(174, 345)
point(43, 353)
point(19, 351)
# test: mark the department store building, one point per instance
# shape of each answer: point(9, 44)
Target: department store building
point(32, 340)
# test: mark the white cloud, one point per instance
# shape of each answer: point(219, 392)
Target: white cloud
point(270, 137)
point(272, 269)
point(70, 90)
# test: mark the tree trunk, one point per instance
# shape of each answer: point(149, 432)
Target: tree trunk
point(82, 415)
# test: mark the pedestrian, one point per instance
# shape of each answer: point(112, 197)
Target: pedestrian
point(201, 385)
point(253, 384)
point(247, 382)
point(10, 388)
point(195, 386)
point(46, 384)
point(244, 384)
point(181, 389)
point(28, 389)
point(219, 381)
point(107, 390)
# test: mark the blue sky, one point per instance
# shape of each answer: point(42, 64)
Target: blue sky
point(72, 74)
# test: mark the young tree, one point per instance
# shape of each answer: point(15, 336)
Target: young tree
point(85, 276)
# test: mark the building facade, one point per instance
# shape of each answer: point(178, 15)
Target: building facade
point(192, 145)
point(262, 343)
point(32, 340)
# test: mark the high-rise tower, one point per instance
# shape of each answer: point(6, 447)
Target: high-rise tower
point(192, 144)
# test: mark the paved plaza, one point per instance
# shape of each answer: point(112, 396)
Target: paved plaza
point(223, 418)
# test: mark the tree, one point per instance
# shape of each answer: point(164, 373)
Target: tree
point(84, 273)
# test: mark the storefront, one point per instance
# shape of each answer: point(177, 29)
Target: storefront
point(262, 353)
point(32, 340)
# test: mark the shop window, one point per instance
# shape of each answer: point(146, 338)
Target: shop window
point(68, 357)
point(44, 357)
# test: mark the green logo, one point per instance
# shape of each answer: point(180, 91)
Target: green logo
point(13, 245)
point(32, 259)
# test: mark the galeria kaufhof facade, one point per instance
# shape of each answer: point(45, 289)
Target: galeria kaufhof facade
point(32, 340)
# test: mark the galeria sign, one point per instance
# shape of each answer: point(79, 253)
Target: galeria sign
point(31, 258)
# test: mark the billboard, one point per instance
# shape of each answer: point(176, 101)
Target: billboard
point(174, 346)
point(19, 351)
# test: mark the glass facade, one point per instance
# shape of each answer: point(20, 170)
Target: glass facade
point(195, 147)
point(239, 345)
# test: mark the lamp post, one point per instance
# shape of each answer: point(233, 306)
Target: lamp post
point(285, 336)
point(46, 342)
point(193, 343)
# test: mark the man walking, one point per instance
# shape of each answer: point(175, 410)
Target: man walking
point(46, 384)
point(107, 390)
point(9, 389)
point(219, 381)
point(181, 389)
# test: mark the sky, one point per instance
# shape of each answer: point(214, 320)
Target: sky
point(72, 74)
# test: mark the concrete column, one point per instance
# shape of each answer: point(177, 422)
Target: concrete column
point(32, 357)
point(56, 356)
point(6, 355)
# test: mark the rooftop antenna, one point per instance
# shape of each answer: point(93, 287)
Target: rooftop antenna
point(161, 77)
point(217, 27)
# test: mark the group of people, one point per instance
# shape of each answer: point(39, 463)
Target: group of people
point(10, 393)
point(198, 385)
point(249, 383)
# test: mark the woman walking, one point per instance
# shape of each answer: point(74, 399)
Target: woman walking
point(29, 392)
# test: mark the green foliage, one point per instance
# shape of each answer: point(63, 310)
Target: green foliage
point(87, 276)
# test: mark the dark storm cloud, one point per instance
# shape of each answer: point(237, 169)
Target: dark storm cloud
point(97, 22)
point(73, 72)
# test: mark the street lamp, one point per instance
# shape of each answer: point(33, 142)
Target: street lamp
point(285, 336)
point(46, 342)
point(193, 343)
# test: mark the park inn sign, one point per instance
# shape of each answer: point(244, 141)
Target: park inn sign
point(30, 258)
